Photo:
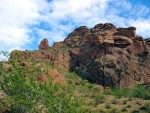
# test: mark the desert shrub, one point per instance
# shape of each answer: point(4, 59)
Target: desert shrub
point(124, 110)
point(85, 81)
point(119, 93)
point(102, 111)
point(115, 101)
point(107, 106)
point(125, 102)
point(135, 111)
point(146, 107)
point(90, 86)
point(139, 103)
point(99, 99)
point(96, 89)
point(138, 92)
point(141, 92)
point(129, 106)
point(26, 95)
point(130, 99)
point(114, 110)
point(70, 82)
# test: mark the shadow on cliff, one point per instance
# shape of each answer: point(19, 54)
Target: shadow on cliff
point(90, 64)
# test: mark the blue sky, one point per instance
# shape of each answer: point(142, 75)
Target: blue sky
point(23, 23)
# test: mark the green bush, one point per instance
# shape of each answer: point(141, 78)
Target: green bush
point(141, 92)
point(138, 92)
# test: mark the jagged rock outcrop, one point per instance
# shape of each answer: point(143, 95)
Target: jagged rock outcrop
point(104, 54)
point(44, 45)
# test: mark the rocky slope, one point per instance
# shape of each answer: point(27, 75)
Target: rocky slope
point(109, 56)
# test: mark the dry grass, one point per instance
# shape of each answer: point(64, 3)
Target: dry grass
point(112, 103)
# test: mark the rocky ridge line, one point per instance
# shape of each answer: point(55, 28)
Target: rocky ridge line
point(109, 56)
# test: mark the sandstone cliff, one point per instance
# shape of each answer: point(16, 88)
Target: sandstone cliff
point(104, 54)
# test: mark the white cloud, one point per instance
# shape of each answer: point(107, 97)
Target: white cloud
point(15, 18)
point(65, 15)
point(53, 36)
point(143, 26)
point(20, 19)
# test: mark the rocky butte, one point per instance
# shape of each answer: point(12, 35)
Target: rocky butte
point(106, 55)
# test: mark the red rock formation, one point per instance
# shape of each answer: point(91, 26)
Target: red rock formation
point(44, 45)
point(42, 78)
point(128, 32)
point(105, 55)
point(57, 77)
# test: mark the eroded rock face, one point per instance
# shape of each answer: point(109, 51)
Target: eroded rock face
point(122, 41)
point(128, 32)
point(104, 54)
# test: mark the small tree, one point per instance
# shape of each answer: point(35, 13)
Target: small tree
point(4, 55)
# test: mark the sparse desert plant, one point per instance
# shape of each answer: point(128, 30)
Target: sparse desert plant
point(129, 106)
point(135, 111)
point(96, 89)
point(107, 105)
point(114, 110)
point(90, 86)
point(146, 107)
point(70, 82)
point(99, 99)
point(114, 101)
point(85, 82)
point(130, 99)
point(139, 103)
point(124, 110)
point(125, 102)
point(102, 111)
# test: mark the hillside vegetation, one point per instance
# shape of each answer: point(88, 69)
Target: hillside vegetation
point(22, 92)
